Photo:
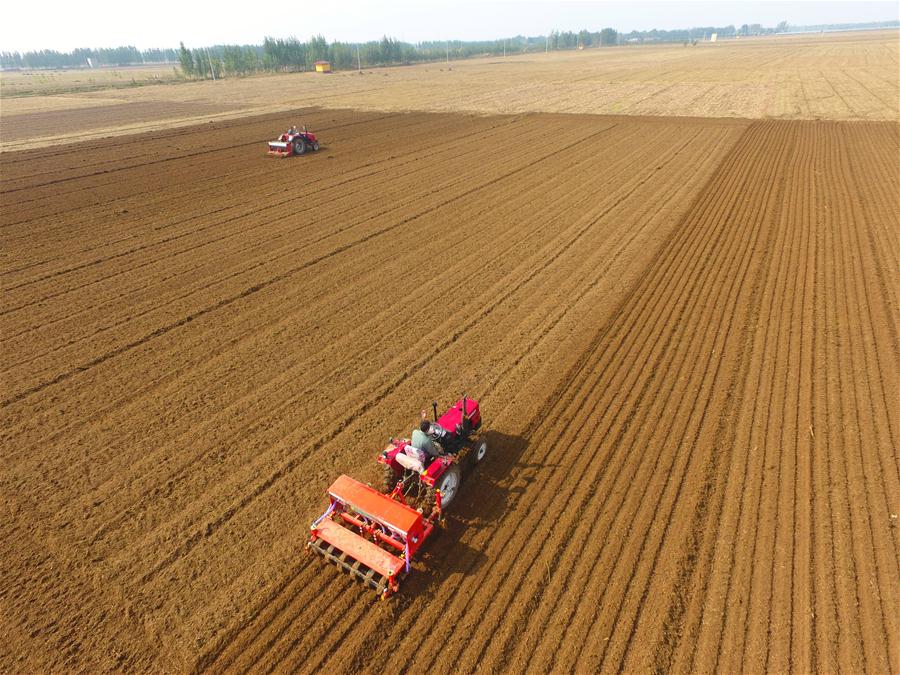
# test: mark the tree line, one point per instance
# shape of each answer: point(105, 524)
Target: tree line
point(745, 30)
point(86, 58)
point(292, 55)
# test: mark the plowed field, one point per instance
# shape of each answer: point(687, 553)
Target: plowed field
point(683, 332)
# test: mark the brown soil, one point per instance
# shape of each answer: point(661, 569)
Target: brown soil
point(64, 123)
point(683, 333)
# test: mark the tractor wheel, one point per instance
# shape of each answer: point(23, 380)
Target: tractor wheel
point(315, 146)
point(480, 451)
point(449, 484)
point(299, 146)
point(388, 479)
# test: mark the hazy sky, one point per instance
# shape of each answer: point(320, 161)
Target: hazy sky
point(66, 24)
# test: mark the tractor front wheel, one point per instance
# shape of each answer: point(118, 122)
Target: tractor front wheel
point(480, 451)
point(315, 146)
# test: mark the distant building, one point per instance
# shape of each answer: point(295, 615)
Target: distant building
point(323, 66)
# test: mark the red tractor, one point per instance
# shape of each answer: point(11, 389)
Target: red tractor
point(459, 449)
point(293, 142)
point(374, 534)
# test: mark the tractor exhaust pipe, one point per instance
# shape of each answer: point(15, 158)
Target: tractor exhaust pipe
point(464, 421)
point(434, 407)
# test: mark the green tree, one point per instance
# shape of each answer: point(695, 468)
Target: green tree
point(389, 50)
point(343, 56)
point(317, 50)
point(233, 60)
point(186, 59)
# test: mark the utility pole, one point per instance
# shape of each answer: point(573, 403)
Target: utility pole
point(448, 51)
point(358, 62)
point(504, 49)
point(211, 69)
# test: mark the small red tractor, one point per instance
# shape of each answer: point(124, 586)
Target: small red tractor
point(374, 534)
point(293, 142)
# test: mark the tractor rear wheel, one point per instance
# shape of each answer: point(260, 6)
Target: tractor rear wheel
point(299, 146)
point(448, 484)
